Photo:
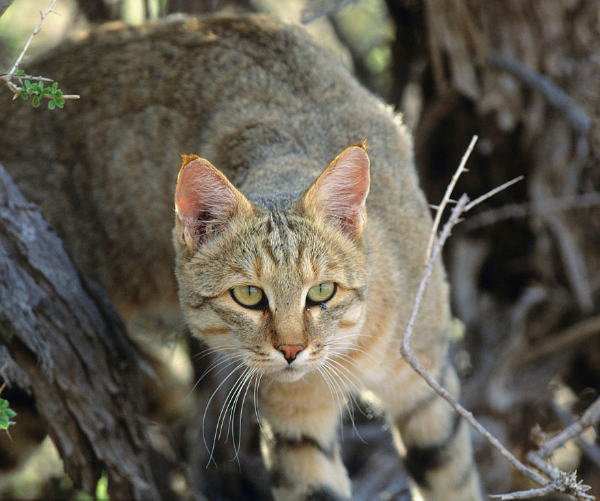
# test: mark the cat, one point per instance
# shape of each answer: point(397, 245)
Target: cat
point(298, 255)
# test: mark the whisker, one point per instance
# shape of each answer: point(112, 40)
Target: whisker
point(211, 450)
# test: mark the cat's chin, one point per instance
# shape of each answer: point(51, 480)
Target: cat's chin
point(288, 375)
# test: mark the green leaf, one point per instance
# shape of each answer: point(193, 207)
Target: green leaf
point(55, 86)
point(3, 423)
point(35, 101)
point(10, 413)
point(3, 403)
point(28, 84)
point(20, 73)
point(51, 105)
point(60, 103)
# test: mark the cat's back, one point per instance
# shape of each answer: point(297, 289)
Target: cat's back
point(258, 98)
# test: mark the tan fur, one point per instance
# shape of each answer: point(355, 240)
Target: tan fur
point(271, 110)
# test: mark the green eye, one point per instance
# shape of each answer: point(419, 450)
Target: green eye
point(322, 292)
point(248, 295)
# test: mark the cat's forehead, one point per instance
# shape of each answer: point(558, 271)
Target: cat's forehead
point(283, 236)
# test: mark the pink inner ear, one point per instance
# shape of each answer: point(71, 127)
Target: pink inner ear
point(347, 183)
point(341, 191)
point(204, 199)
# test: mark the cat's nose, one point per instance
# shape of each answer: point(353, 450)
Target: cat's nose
point(290, 351)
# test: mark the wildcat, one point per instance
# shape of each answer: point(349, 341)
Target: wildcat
point(298, 255)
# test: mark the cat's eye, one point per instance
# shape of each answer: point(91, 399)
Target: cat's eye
point(321, 293)
point(248, 296)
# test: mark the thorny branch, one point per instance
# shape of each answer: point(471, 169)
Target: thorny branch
point(34, 33)
point(7, 78)
point(555, 479)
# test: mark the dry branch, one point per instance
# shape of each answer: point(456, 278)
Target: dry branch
point(33, 34)
point(61, 340)
point(526, 209)
point(556, 480)
point(12, 73)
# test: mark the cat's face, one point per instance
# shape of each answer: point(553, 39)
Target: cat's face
point(280, 288)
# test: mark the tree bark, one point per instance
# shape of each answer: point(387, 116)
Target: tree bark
point(64, 342)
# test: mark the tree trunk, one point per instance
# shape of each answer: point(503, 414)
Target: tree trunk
point(63, 342)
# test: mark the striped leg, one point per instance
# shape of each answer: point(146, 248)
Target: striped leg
point(438, 452)
point(301, 449)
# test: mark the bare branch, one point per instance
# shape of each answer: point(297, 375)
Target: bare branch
point(446, 198)
point(34, 33)
point(587, 419)
point(556, 480)
point(531, 493)
point(493, 192)
point(7, 78)
point(408, 354)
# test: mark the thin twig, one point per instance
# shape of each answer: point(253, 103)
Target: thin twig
point(7, 78)
point(446, 198)
point(587, 419)
point(524, 209)
point(34, 33)
point(556, 480)
point(493, 192)
point(531, 493)
point(408, 354)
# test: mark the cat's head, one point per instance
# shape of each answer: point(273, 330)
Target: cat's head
point(279, 285)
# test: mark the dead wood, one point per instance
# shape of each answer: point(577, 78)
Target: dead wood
point(63, 342)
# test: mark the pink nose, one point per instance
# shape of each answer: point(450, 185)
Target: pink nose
point(290, 351)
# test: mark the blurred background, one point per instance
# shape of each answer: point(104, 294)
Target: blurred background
point(524, 268)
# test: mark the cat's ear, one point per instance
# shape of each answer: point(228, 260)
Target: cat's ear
point(205, 201)
point(340, 192)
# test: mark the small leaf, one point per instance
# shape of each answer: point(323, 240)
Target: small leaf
point(20, 73)
point(3, 423)
point(3, 403)
point(10, 413)
point(60, 103)
point(35, 101)
point(28, 84)
point(51, 105)
point(55, 86)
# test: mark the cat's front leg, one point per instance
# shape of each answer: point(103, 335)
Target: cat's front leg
point(300, 443)
point(437, 445)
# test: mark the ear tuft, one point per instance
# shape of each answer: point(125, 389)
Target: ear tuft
point(205, 201)
point(186, 159)
point(340, 192)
